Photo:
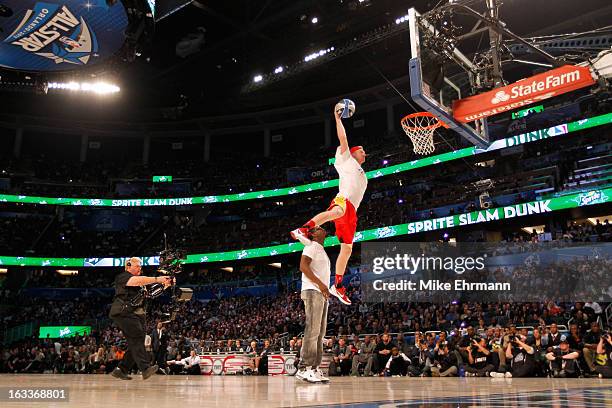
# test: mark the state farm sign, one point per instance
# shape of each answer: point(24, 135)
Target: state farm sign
point(524, 92)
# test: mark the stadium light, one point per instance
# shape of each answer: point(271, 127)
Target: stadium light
point(401, 19)
point(315, 20)
point(100, 88)
point(278, 70)
point(257, 78)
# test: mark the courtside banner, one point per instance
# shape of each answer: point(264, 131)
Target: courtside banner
point(575, 200)
point(434, 160)
point(524, 92)
point(485, 272)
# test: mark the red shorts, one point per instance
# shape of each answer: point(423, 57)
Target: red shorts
point(346, 226)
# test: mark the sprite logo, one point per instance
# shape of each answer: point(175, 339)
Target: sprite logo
point(592, 197)
point(385, 232)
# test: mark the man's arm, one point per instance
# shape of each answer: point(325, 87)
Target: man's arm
point(305, 262)
point(147, 280)
point(341, 132)
point(600, 346)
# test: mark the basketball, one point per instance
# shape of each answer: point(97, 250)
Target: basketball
point(341, 108)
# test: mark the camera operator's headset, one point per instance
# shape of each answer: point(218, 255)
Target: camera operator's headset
point(128, 263)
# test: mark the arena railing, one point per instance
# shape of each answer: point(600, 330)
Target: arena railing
point(554, 131)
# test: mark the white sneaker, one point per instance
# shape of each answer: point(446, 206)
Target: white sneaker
point(340, 294)
point(320, 376)
point(301, 375)
point(311, 377)
point(298, 235)
point(495, 374)
point(508, 374)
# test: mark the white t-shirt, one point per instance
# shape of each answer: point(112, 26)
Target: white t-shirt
point(320, 265)
point(353, 181)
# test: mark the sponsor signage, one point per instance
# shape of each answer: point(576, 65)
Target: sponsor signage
point(516, 140)
point(60, 35)
point(278, 364)
point(162, 179)
point(581, 199)
point(526, 112)
point(60, 332)
point(522, 93)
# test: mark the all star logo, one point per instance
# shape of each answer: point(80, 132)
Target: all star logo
point(54, 32)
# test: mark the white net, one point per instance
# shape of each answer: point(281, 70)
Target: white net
point(420, 128)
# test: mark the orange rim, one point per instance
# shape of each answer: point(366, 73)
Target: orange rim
point(422, 114)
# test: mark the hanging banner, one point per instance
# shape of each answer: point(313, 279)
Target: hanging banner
point(524, 92)
point(60, 35)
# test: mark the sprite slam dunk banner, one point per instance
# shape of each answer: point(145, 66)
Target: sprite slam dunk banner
point(554, 131)
point(475, 217)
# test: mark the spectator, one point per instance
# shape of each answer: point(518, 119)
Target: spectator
point(365, 354)
point(521, 356)
point(383, 351)
point(563, 360)
point(479, 358)
point(342, 359)
point(445, 362)
point(604, 348)
point(397, 365)
point(591, 341)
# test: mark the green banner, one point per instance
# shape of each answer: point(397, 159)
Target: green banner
point(541, 134)
point(475, 217)
point(60, 332)
point(162, 179)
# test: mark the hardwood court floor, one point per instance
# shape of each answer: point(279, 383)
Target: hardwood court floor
point(87, 391)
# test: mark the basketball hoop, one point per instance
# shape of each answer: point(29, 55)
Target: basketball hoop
point(420, 127)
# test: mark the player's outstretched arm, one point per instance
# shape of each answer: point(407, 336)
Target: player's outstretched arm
point(341, 132)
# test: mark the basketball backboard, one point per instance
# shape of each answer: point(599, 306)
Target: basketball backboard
point(437, 78)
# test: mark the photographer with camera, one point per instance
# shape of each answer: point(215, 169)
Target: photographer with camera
point(563, 360)
point(479, 359)
point(521, 356)
point(604, 347)
point(445, 362)
point(128, 313)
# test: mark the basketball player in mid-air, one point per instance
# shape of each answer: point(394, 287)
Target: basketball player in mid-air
point(343, 208)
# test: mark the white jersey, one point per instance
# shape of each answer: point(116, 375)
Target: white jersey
point(353, 181)
point(320, 265)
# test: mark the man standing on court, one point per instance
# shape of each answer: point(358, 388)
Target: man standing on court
point(315, 267)
point(343, 208)
point(127, 311)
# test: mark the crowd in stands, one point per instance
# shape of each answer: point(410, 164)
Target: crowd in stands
point(416, 339)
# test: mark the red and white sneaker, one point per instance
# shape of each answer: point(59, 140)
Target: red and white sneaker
point(340, 294)
point(301, 234)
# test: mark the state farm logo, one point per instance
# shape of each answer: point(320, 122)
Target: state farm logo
point(500, 96)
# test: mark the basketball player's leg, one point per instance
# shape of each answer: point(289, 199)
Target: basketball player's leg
point(346, 227)
point(343, 257)
point(335, 211)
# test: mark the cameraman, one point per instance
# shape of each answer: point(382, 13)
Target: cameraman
point(562, 360)
point(479, 358)
point(521, 356)
point(127, 311)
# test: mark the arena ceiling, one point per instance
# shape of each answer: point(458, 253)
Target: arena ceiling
point(245, 37)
